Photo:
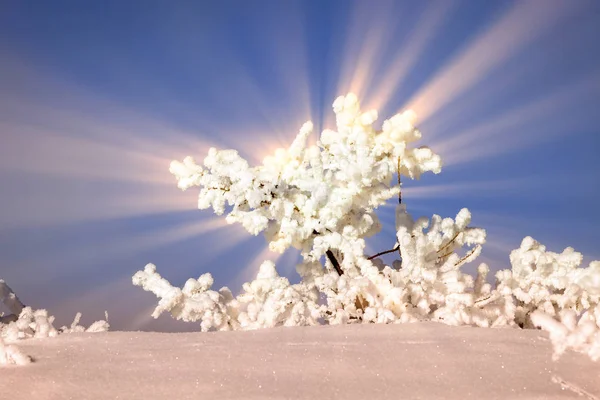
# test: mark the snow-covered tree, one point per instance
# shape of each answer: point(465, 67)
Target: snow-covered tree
point(321, 199)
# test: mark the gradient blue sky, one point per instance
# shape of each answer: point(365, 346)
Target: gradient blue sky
point(97, 97)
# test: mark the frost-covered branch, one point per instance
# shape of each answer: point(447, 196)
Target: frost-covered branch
point(268, 301)
point(321, 199)
point(331, 188)
point(571, 331)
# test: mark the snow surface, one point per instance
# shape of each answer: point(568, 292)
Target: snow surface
point(408, 361)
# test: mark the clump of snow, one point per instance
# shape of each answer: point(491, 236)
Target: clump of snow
point(551, 291)
point(97, 326)
point(568, 332)
point(10, 354)
point(321, 199)
point(549, 282)
point(29, 324)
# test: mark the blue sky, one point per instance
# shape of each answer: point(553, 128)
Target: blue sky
point(97, 97)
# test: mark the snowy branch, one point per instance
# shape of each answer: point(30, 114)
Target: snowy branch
point(321, 199)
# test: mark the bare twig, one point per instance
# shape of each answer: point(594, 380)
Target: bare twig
point(445, 255)
point(484, 301)
point(397, 247)
point(449, 243)
point(469, 254)
point(463, 259)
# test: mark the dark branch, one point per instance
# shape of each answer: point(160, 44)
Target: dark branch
point(335, 262)
point(332, 259)
point(384, 252)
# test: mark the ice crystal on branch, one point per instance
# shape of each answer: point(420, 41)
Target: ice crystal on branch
point(321, 199)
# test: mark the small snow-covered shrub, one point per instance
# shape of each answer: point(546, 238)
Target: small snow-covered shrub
point(321, 199)
point(568, 332)
point(268, 301)
point(27, 323)
point(10, 354)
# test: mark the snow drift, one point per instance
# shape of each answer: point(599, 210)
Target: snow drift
point(352, 362)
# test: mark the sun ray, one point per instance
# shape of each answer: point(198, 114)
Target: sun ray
point(259, 118)
point(167, 236)
point(521, 25)
point(460, 189)
point(250, 269)
point(94, 302)
point(48, 154)
point(142, 319)
point(64, 163)
point(70, 141)
point(508, 131)
point(416, 43)
point(42, 202)
point(137, 315)
point(363, 47)
point(127, 245)
point(256, 146)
